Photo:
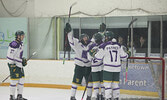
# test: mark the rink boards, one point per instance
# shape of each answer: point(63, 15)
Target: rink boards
point(53, 74)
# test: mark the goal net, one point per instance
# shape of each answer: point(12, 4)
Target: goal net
point(146, 79)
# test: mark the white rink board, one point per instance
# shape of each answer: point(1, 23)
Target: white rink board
point(44, 71)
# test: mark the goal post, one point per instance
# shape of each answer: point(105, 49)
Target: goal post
point(147, 76)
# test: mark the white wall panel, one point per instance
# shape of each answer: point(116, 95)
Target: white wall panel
point(49, 8)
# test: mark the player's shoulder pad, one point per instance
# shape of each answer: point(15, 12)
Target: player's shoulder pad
point(116, 43)
point(89, 42)
point(103, 45)
point(14, 44)
point(92, 45)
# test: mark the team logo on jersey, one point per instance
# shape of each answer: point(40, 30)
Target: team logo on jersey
point(14, 70)
point(17, 75)
point(77, 80)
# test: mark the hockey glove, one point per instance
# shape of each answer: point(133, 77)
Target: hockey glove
point(102, 27)
point(129, 53)
point(68, 28)
point(92, 52)
point(24, 61)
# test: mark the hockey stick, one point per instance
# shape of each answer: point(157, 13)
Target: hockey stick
point(5, 79)
point(31, 55)
point(86, 85)
point(27, 60)
point(126, 73)
point(67, 33)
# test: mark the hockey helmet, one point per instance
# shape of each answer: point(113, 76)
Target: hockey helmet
point(98, 38)
point(84, 40)
point(109, 36)
point(19, 33)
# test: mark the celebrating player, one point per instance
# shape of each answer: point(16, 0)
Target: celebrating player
point(97, 69)
point(82, 64)
point(16, 64)
point(111, 53)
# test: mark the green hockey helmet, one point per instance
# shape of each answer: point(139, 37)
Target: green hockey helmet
point(19, 33)
point(98, 38)
point(109, 36)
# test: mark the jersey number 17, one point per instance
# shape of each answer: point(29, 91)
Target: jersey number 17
point(113, 55)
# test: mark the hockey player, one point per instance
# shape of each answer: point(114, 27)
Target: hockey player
point(111, 53)
point(16, 64)
point(97, 69)
point(82, 64)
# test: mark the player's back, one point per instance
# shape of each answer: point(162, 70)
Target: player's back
point(95, 63)
point(112, 57)
point(112, 54)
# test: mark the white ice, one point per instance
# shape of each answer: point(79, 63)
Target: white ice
point(32, 93)
point(41, 93)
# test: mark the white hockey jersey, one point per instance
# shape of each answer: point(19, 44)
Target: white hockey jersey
point(97, 65)
point(80, 51)
point(15, 53)
point(111, 53)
